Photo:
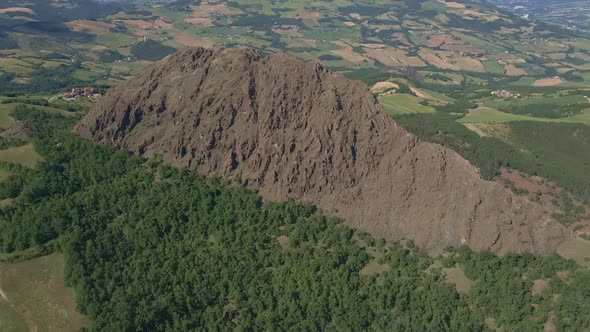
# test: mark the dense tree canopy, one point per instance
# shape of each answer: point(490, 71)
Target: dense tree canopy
point(153, 248)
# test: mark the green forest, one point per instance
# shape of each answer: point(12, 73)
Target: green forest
point(153, 248)
point(555, 151)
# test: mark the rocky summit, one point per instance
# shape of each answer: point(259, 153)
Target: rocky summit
point(292, 129)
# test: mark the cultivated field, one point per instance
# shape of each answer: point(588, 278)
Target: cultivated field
point(33, 297)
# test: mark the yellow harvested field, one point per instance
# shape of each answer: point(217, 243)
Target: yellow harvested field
point(347, 53)
point(93, 27)
point(202, 14)
point(452, 4)
point(372, 45)
point(451, 60)
point(16, 10)
point(349, 24)
point(394, 57)
point(436, 40)
point(355, 16)
point(512, 70)
point(547, 82)
point(556, 56)
point(563, 70)
point(421, 94)
point(193, 41)
point(436, 61)
point(380, 86)
point(140, 24)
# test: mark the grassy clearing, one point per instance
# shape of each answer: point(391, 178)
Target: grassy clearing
point(35, 297)
point(4, 174)
point(24, 155)
point(456, 276)
point(490, 115)
point(577, 249)
point(403, 104)
point(6, 121)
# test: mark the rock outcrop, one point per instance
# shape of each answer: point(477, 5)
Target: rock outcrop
point(295, 129)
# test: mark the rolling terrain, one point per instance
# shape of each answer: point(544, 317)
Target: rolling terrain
point(295, 199)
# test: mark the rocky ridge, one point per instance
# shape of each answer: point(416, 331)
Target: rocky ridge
point(292, 129)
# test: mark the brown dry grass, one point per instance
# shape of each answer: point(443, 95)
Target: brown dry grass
point(347, 53)
point(204, 21)
point(539, 286)
point(563, 70)
point(93, 27)
point(577, 249)
point(372, 45)
point(36, 294)
point(202, 14)
point(451, 60)
point(394, 57)
point(476, 129)
point(380, 86)
point(193, 41)
point(452, 4)
point(457, 277)
point(436, 40)
point(512, 70)
point(547, 82)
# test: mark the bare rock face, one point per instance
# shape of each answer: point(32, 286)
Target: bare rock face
point(294, 129)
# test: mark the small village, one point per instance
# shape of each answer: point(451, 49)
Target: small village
point(89, 92)
point(505, 94)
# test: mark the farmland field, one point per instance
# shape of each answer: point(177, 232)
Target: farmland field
point(403, 104)
point(490, 115)
point(34, 297)
point(24, 155)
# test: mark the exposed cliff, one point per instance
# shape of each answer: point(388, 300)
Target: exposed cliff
point(294, 129)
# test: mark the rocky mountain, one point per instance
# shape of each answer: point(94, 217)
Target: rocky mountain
point(292, 129)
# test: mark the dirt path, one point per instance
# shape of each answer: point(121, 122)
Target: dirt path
point(3, 295)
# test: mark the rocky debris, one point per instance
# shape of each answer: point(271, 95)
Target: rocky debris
point(292, 129)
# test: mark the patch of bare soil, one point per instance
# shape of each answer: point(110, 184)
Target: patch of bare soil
point(539, 286)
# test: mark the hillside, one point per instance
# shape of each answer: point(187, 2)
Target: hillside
point(296, 130)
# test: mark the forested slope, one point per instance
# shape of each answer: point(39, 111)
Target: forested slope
point(154, 248)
